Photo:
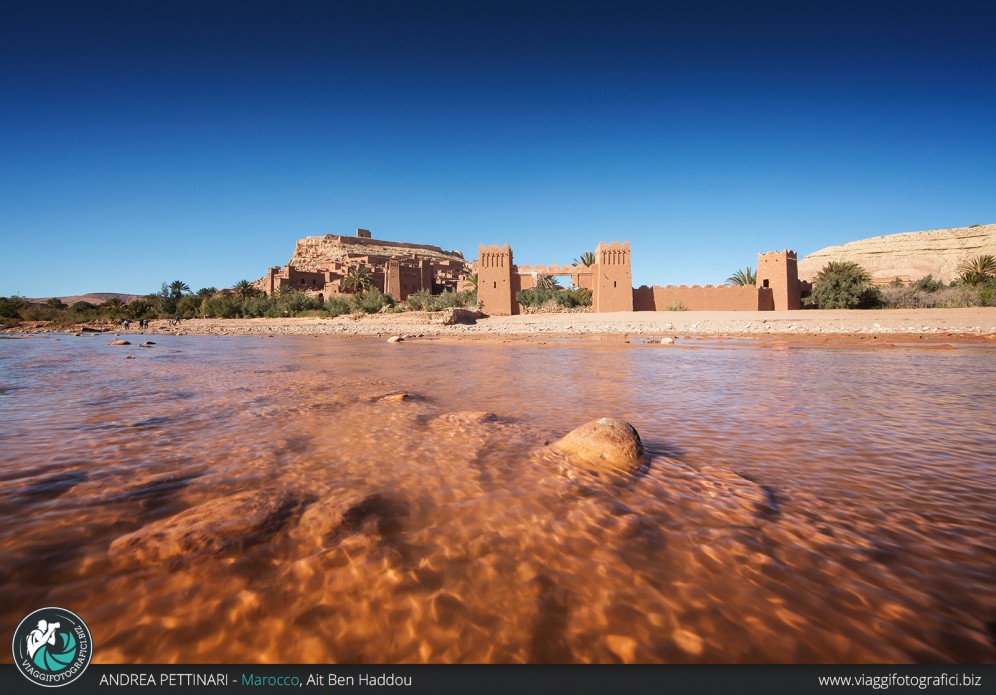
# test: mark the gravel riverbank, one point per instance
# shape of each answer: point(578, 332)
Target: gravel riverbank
point(931, 325)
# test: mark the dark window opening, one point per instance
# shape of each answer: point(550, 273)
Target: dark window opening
point(496, 285)
point(613, 283)
point(764, 284)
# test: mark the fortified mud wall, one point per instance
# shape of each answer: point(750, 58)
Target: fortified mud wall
point(699, 298)
point(611, 282)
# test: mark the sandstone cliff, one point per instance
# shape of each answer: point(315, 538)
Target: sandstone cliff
point(317, 251)
point(911, 255)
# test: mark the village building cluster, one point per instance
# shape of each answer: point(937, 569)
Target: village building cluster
point(396, 268)
point(321, 265)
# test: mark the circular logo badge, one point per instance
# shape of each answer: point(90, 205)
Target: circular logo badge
point(52, 647)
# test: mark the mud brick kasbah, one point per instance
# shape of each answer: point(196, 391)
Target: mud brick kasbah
point(610, 280)
point(400, 269)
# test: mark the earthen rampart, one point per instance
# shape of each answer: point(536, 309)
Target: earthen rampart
point(701, 298)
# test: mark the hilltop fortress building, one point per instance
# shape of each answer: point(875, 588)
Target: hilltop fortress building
point(320, 264)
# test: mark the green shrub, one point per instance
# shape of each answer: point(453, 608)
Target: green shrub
point(254, 307)
point(143, 308)
point(82, 307)
point(844, 285)
point(419, 301)
point(294, 302)
point(536, 296)
point(10, 307)
point(38, 312)
point(929, 284)
point(552, 299)
point(423, 300)
point(987, 292)
point(336, 306)
point(186, 306)
point(370, 302)
point(220, 306)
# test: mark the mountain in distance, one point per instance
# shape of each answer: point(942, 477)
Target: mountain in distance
point(92, 297)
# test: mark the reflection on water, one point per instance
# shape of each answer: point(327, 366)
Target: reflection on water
point(254, 500)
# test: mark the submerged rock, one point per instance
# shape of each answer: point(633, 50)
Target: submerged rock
point(395, 398)
point(395, 339)
point(223, 525)
point(667, 341)
point(605, 445)
point(467, 417)
point(119, 342)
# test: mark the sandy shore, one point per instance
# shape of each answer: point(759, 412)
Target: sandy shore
point(972, 325)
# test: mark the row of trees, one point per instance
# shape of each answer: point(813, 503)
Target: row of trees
point(846, 285)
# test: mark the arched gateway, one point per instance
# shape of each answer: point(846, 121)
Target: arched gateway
point(609, 279)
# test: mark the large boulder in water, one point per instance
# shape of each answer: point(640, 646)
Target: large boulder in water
point(606, 445)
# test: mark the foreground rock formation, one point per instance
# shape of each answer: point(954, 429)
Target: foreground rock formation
point(908, 256)
point(606, 445)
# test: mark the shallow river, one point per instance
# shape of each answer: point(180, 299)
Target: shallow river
point(240, 499)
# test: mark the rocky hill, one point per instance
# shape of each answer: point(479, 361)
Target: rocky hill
point(910, 255)
point(317, 251)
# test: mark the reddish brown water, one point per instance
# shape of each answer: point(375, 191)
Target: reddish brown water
point(800, 505)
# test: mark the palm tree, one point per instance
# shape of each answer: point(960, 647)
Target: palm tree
point(113, 307)
point(244, 289)
point(472, 279)
point(587, 259)
point(849, 268)
point(206, 292)
point(747, 276)
point(977, 269)
point(358, 279)
point(178, 288)
point(547, 282)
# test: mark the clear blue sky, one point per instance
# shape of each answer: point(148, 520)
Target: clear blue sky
point(143, 142)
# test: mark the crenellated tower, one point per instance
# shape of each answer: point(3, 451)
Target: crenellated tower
point(495, 285)
point(613, 282)
point(779, 271)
